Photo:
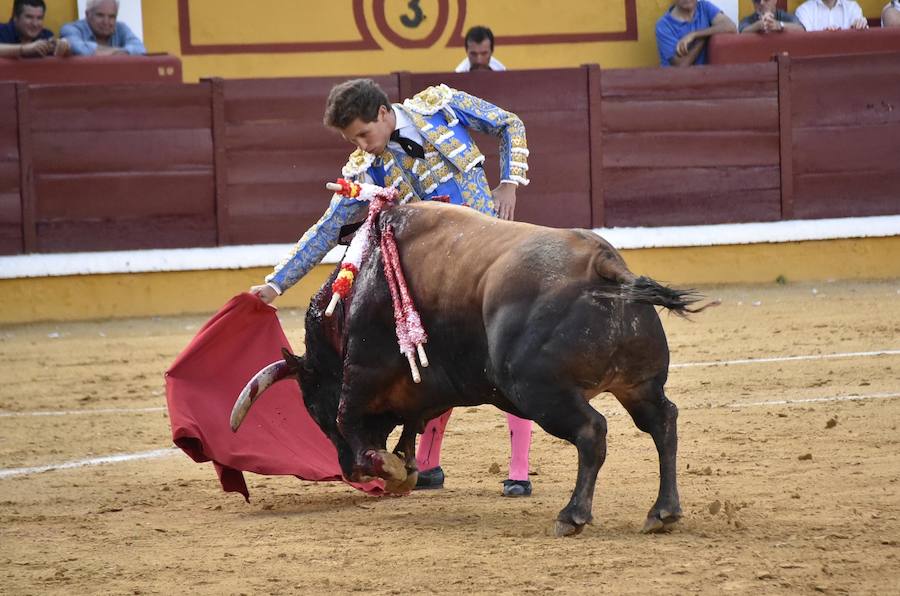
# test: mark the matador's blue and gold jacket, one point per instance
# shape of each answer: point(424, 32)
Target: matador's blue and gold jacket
point(452, 166)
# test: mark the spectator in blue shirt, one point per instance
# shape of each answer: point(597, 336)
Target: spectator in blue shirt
point(24, 35)
point(682, 32)
point(99, 34)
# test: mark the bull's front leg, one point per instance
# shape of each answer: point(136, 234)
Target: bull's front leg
point(370, 459)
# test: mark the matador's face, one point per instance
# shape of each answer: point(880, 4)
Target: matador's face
point(371, 137)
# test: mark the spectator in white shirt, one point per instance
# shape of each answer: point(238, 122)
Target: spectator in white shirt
point(479, 51)
point(831, 15)
point(890, 16)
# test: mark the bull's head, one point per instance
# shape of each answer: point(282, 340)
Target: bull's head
point(320, 395)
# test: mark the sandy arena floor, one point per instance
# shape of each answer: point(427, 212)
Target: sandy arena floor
point(788, 485)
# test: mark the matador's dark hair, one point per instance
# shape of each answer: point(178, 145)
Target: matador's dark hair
point(356, 98)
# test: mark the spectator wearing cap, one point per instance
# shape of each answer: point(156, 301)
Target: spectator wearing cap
point(768, 18)
point(479, 51)
point(890, 15)
point(831, 15)
point(100, 33)
point(24, 35)
point(683, 31)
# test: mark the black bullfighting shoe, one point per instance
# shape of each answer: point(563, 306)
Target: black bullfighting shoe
point(433, 478)
point(517, 488)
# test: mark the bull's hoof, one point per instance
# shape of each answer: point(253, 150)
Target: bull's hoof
point(388, 466)
point(563, 529)
point(402, 487)
point(660, 522)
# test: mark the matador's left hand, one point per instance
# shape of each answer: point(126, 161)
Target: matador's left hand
point(505, 200)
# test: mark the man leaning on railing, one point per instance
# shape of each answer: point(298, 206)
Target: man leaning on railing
point(768, 18)
point(100, 33)
point(24, 35)
point(683, 31)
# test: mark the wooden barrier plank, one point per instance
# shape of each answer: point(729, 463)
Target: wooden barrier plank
point(845, 148)
point(751, 80)
point(123, 151)
point(99, 70)
point(675, 208)
point(786, 136)
point(557, 207)
point(26, 169)
point(283, 135)
point(627, 183)
point(859, 90)
point(301, 99)
point(277, 200)
point(136, 194)
point(698, 114)
point(265, 229)
point(10, 173)
point(856, 193)
point(595, 143)
point(126, 234)
point(11, 211)
point(220, 160)
point(248, 167)
point(516, 91)
point(117, 107)
point(83, 118)
point(742, 49)
point(9, 169)
point(690, 149)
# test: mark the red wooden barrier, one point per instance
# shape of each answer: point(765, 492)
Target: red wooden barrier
point(845, 114)
point(122, 166)
point(279, 156)
point(745, 48)
point(685, 146)
point(556, 113)
point(155, 68)
point(101, 167)
point(10, 191)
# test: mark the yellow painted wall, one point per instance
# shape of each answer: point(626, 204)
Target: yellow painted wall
point(120, 295)
point(286, 21)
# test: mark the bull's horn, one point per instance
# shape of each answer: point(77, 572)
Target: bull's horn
point(251, 392)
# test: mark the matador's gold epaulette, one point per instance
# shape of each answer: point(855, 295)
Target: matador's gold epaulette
point(431, 100)
point(358, 162)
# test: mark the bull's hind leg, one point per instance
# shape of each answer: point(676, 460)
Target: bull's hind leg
point(571, 418)
point(653, 413)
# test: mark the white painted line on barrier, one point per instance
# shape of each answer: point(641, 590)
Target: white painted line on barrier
point(82, 412)
point(95, 461)
point(787, 358)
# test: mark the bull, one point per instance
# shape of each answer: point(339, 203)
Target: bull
point(535, 321)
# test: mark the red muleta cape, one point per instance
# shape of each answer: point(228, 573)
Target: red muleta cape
point(278, 437)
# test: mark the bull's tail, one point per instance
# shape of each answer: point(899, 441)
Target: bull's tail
point(621, 284)
point(648, 291)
